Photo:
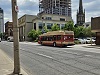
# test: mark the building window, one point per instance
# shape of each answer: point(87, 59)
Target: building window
point(81, 19)
point(49, 25)
point(48, 18)
point(62, 26)
point(40, 25)
point(62, 19)
point(35, 26)
point(58, 25)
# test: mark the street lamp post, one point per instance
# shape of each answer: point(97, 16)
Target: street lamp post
point(16, 37)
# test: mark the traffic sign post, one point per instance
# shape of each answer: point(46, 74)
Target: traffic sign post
point(16, 38)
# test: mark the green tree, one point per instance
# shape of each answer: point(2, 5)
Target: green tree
point(76, 32)
point(69, 26)
point(55, 27)
point(93, 34)
point(79, 31)
point(33, 34)
point(89, 33)
point(38, 32)
point(45, 29)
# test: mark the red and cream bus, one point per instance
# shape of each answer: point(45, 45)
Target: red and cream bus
point(57, 38)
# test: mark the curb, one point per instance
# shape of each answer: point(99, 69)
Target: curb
point(11, 61)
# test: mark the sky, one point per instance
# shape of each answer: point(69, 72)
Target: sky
point(92, 8)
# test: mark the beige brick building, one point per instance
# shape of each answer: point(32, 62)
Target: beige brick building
point(25, 25)
point(28, 22)
point(50, 19)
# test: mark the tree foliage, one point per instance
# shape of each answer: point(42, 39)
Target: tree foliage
point(69, 26)
point(44, 30)
point(80, 31)
point(55, 27)
point(33, 34)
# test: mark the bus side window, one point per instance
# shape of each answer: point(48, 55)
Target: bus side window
point(49, 38)
point(44, 38)
point(54, 38)
point(59, 37)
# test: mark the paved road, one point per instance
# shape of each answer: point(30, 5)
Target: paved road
point(45, 60)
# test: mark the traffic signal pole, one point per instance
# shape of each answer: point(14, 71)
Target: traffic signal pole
point(16, 37)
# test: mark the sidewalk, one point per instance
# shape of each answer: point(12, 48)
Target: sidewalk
point(92, 46)
point(6, 65)
point(31, 43)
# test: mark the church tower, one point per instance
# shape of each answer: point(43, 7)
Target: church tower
point(80, 14)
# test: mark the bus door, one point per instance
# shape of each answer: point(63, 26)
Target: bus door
point(68, 38)
point(39, 39)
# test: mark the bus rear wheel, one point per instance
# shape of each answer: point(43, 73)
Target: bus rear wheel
point(54, 44)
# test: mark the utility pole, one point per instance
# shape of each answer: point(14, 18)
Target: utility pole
point(16, 37)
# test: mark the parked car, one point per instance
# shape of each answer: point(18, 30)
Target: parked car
point(0, 39)
point(10, 39)
point(82, 41)
point(90, 40)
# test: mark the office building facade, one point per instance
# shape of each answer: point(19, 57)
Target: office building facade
point(1, 21)
point(48, 20)
point(25, 26)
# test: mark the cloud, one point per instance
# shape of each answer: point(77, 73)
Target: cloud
point(92, 8)
point(25, 7)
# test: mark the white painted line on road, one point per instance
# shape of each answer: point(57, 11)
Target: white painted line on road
point(45, 55)
point(71, 53)
point(67, 52)
point(88, 55)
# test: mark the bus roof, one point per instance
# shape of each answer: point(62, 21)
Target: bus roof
point(58, 33)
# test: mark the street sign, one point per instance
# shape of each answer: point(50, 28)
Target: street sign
point(16, 9)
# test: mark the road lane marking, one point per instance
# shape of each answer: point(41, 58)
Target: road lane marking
point(88, 55)
point(45, 55)
point(74, 53)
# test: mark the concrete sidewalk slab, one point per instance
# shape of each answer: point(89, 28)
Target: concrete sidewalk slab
point(6, 65)
point(92, 46)
point(30, 43)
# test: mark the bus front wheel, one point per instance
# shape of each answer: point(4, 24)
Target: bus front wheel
point(54, 44)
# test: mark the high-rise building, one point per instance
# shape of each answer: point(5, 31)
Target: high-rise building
point(80, 14)
point(1, 21)
point(59, 7)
